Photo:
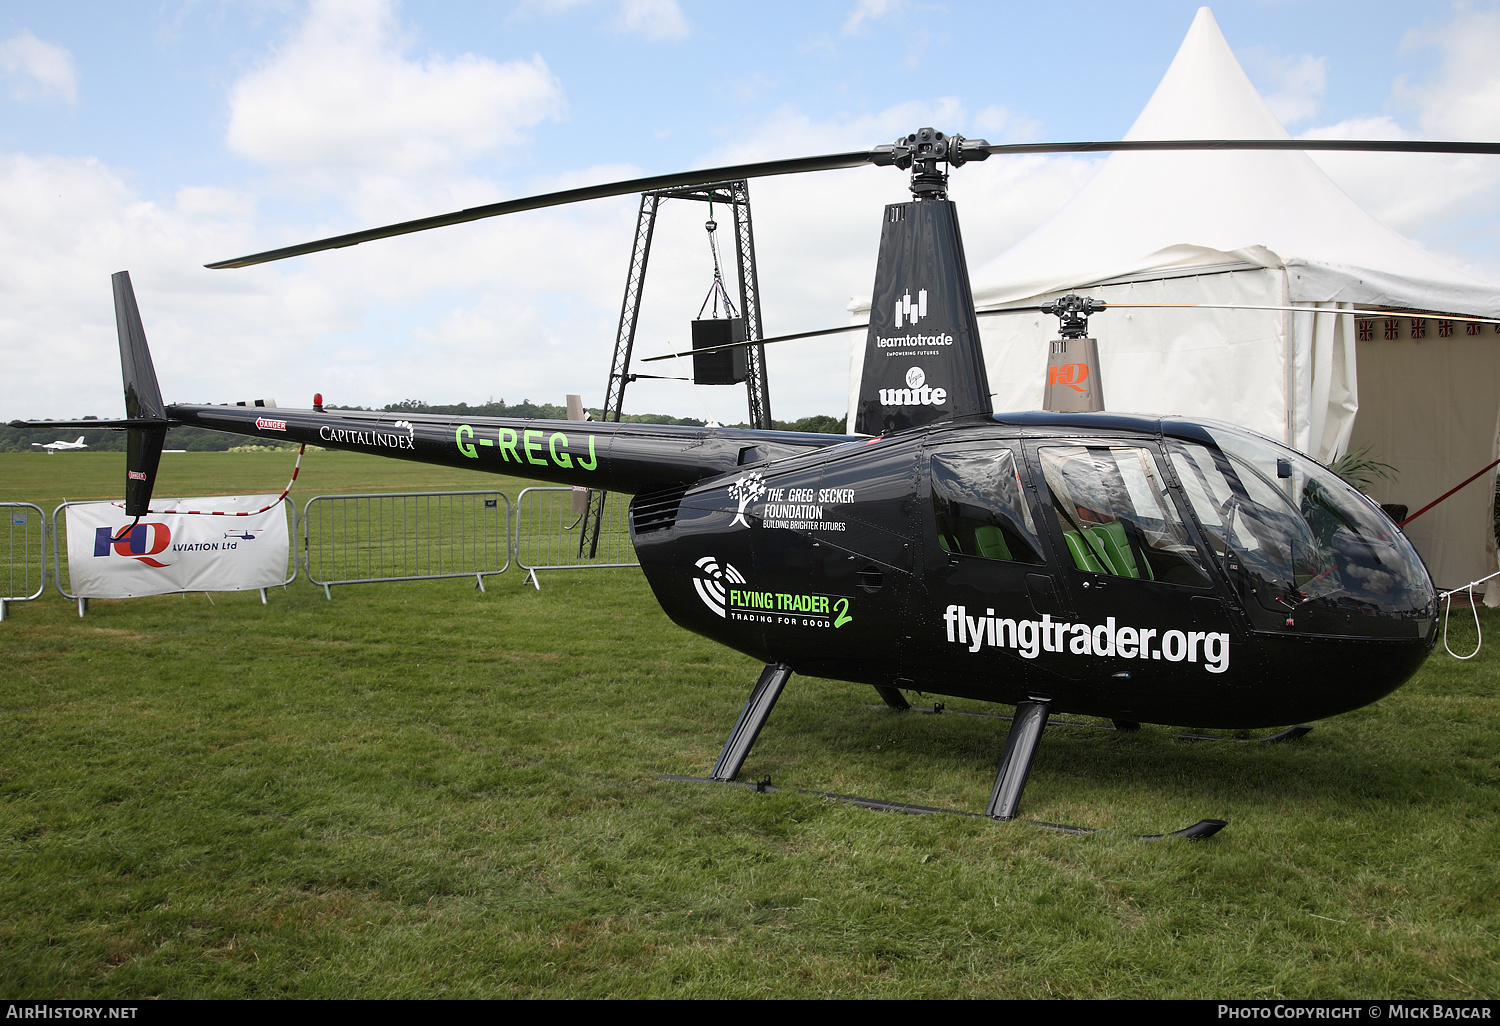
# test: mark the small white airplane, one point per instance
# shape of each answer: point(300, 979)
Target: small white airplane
point(61, 446)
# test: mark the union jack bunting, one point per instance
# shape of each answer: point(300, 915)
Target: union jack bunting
point(1445, 329)
point(1473, 328)
point(1392, 328)
point(1366, 331)
point(1419, 327)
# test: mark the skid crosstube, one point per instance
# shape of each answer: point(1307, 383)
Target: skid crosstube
point(1204, 828)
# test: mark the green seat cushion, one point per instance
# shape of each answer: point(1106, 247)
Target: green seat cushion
point(1085, 556)
point(1111, 537)
point(991, 543)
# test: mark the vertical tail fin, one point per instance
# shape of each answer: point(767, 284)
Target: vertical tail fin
point(142, 400)
point(922, 357)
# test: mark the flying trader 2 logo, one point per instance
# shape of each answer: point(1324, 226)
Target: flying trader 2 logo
point(718, 586)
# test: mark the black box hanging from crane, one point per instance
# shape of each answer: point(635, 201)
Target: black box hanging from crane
point(727, 366)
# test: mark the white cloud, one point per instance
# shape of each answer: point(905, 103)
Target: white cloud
point(38, 70)
point(342, 93)
point(656, 20)
point(1291, 84)
point(66, 224)
point(522, 307)
point(1000, 123)
point(1462, 99)
point(653, 20)
point(1447, 202)
point(865, 11)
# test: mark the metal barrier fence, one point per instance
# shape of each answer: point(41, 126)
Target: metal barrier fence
point(25, 562)
point(360, 539)
point(547, 533)
point(405, 536)
point(59, 528)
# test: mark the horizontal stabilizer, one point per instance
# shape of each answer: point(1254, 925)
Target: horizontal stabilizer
point(111, 425)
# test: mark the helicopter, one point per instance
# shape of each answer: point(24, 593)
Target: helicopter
point(1128, 567)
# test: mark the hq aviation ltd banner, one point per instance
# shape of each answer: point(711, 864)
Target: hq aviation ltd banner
point(171, 552)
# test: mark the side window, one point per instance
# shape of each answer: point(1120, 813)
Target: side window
point(979, 507)
point(1115, 516)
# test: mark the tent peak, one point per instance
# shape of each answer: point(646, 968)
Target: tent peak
point(1205, 94)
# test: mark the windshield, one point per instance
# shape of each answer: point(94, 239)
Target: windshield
point(1305, 550)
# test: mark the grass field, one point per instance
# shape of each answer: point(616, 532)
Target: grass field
point(417, 789)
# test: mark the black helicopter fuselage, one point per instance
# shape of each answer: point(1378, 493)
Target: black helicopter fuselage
point(850, 563)
point(1083, 560)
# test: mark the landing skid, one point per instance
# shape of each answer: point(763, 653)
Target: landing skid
point(1197, 832)
point(1010, 781)
point(1119, 726)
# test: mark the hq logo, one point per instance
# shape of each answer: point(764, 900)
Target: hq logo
point(1071, 374)
point(143, 542)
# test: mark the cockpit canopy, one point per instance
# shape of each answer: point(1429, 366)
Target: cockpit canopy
point(1304, 549)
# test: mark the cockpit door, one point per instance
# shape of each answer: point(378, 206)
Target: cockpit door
point(983, 569)
point(1146, 601)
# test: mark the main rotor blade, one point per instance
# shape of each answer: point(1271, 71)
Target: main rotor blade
point(971, 149)
point(1355, 145)
point(762, 169)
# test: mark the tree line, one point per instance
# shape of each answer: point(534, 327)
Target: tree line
point(196, 439)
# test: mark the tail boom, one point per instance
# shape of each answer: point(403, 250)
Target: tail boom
point(630, 458)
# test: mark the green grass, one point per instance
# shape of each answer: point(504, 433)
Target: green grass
point(418, 789)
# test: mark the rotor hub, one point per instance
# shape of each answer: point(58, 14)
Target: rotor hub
point(923, 151)
point(1072, 312)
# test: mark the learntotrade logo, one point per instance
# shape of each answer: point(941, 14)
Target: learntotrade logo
point(1030, 638)
point(911, 310)
point(143, 542)
point(711, 581)
point(267, 424)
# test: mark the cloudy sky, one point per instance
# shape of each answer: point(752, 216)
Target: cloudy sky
point(158, 136)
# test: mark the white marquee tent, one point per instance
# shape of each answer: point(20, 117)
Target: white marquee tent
point(1264, 228)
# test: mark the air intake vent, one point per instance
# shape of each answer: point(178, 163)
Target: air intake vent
point(656, 511)
point(871, 579)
